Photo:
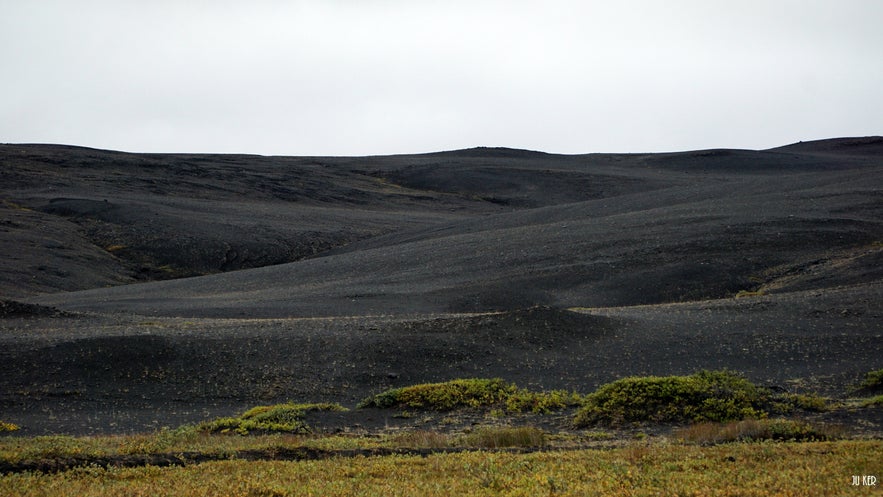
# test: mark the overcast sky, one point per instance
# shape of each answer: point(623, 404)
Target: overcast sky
point(360, 77)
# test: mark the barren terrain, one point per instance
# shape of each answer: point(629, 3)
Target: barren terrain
point(149, 290)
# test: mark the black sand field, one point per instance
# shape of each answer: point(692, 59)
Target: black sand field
point(149, 290)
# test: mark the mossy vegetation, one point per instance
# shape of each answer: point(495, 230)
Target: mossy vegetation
point(287, 418)
point(8, 427)
point(703, 396)
point(472, 393)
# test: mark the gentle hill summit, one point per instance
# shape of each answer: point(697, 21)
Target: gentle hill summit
point(483, 229)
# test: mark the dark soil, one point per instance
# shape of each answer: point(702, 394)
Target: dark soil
point(150, 290)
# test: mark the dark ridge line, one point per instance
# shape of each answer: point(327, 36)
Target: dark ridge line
point(475, 151)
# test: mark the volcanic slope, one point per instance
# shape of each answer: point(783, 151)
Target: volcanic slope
point(648, 229)
point(329, 279)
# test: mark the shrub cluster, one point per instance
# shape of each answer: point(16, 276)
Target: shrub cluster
point(472, 392)
point(704, 396)
point(287, 418)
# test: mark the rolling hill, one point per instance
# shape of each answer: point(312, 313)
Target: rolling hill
point(195, 284)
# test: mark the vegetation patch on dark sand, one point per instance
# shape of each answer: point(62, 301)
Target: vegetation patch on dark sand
point(713, 402)
point(8, 427)
point(472, 392)
point(714, 396)
point(872, 382)
point(288, 418)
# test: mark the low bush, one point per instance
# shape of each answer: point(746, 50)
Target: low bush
point(758, 430)
point(445, 396)
point(473, 392)
point(872, 382)
point(288, 418)
point(704, 396)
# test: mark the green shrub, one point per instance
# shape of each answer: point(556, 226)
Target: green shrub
point(473, 392)
point(873, 401)
point(704, 396)
point(443, 396)
point(872, 382)
point(287, 418)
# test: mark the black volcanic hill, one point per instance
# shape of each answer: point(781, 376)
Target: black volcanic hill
point(147, 290)
point(470, 230)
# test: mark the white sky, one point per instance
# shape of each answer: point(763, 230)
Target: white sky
point(360, 77)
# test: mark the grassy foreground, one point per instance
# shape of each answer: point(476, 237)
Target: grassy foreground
point(746, 469)
point(727, 445)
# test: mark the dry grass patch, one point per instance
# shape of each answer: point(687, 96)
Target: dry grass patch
point(499, 437)
point(421, 439)
point(820, 468)
point(758, 430)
